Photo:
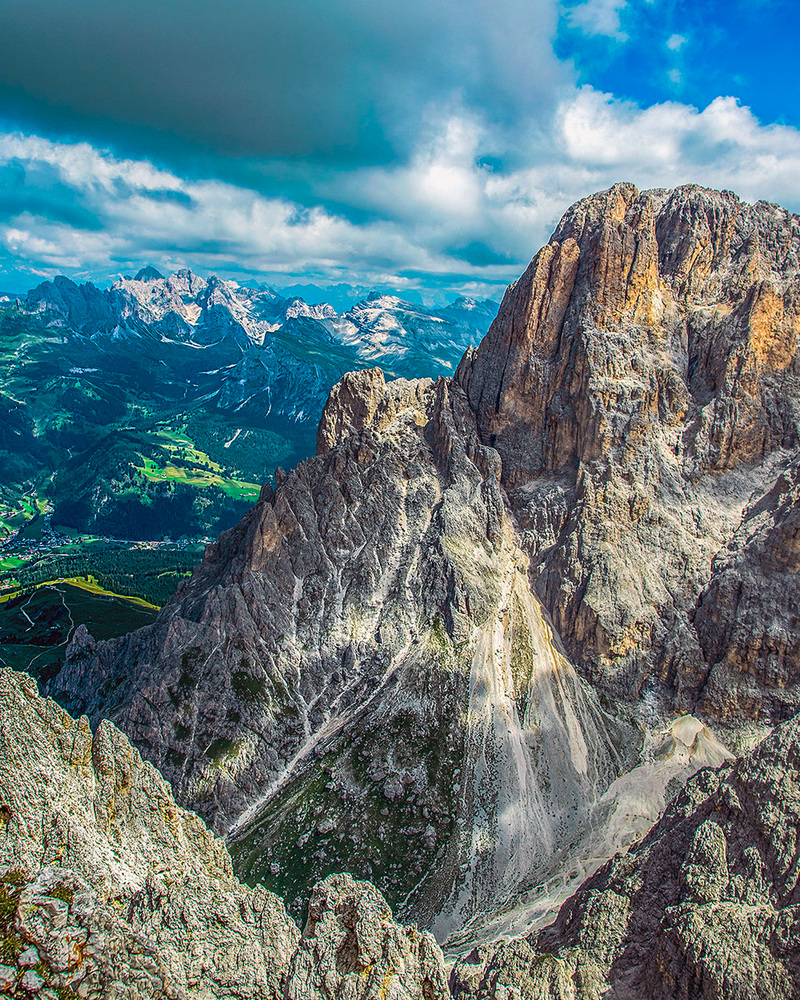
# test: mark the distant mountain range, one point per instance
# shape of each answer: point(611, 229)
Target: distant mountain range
point(157, 407)
point(282, 335)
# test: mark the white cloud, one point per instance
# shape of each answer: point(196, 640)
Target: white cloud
point(676, 42)
point(722, 146)
point(55, 246)
point(599, 17)
point(85, 168)
point(468, 191)
point(594, 141)
point(212, 224)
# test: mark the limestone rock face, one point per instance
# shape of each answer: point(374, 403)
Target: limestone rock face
point(748, 618)
point(359, 674)
point(364, 399)
point(108, 888)
point(113, 882)
point(640, 384)
point(351, 948)
point(431, 653)
point(706, 906)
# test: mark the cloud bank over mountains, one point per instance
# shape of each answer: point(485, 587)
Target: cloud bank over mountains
point(432, 146)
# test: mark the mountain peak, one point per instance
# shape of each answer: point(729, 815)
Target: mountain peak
point(148, 273)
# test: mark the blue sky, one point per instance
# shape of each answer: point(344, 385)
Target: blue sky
point(689, 51)
point(417, 145)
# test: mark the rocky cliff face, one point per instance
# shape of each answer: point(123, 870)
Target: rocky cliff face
point(706, 906)
point(747, 617)
point(640, 385)
point(360, 674)
point(434, 647)
point(107, 888)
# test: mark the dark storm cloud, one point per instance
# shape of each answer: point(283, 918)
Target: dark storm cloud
point(341, 83)
point(478, 254)
point(389, 143)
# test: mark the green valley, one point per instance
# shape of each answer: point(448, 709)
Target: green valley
point(36, 627)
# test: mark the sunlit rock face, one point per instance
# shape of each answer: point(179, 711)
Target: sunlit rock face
point(640, 384)
point(446, 653)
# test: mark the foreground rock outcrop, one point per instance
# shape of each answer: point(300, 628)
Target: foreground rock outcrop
point(706, 907)
point(107, 888)
point(438, 646)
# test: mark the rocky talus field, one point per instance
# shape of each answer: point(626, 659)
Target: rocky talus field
point(706, 905)
point(518, 648)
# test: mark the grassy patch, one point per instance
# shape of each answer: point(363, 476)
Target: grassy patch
point(333, 814)
point(10, 890)
point(247, 687)
point(181, 461)
point(35, 628)
point(221, 749)
point(10, 563)
point(199, 478)
point(64, 893)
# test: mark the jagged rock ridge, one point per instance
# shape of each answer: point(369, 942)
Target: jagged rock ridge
point(371, 663)
point(270, 353)
point(108, 888)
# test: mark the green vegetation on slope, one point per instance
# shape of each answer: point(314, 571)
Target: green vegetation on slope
point(35, 627)
point(148, 574)
point(122, 439)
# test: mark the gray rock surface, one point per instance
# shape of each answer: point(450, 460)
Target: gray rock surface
point(706, 907)
point(360, 675)
point(108, 888)
point(352, 949)
point(748, 618)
